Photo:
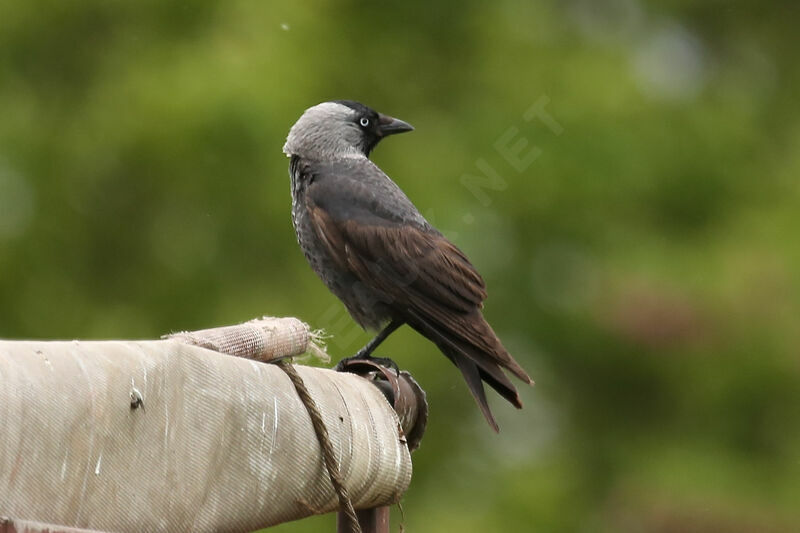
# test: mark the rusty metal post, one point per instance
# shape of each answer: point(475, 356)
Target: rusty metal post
point(408, 400)
point(371, 521)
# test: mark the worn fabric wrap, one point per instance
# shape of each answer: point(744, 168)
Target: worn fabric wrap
point(262, 339)
point(217, 443)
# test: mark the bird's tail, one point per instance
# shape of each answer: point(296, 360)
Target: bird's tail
point(476, 363)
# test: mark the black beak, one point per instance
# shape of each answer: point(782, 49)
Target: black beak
point(389, 125)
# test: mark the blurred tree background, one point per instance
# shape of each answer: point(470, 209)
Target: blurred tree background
point(641, 254)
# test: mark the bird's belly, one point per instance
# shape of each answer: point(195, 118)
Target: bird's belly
point(365, 305)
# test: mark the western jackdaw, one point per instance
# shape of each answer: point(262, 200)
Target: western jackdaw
point(377, 253)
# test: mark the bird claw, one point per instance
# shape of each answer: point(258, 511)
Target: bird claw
point(382, 361)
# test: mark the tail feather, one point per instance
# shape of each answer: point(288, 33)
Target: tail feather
point(475, 365)
point(503, 388)
point(471, 375)
point(471, 329)
point(490, 373)
point(496, 351)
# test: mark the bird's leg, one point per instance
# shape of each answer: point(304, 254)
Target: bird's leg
point(366, 351)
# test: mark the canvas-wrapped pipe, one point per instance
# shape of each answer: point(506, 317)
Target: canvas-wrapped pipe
point(164, 436)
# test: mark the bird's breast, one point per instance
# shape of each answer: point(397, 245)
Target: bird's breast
point(361, 302)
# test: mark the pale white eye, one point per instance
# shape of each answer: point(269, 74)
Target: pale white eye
point(364, 122)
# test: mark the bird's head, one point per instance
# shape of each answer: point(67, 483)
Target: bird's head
point(342, 128)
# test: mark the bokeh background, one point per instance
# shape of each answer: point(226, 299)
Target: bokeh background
point(642, 254)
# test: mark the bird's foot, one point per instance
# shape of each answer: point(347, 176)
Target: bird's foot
point(382, 361)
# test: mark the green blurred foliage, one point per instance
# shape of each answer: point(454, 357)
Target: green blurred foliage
point(644, 267)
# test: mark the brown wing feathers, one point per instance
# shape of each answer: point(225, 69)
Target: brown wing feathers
point(437, 288)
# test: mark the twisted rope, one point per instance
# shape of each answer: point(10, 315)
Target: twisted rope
point(331, 465)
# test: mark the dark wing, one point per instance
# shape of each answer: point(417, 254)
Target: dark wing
point(423, 275)
point(393, 253)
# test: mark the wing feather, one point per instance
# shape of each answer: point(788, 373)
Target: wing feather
point(416, 266)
